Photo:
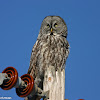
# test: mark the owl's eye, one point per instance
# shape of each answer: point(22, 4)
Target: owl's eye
point(48, 25)
point(55, 25)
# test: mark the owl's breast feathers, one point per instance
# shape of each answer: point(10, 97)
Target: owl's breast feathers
point(48, 51)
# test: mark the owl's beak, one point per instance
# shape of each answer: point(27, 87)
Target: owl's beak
point(51, 30)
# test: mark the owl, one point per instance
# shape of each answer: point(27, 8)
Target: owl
point(50, 49)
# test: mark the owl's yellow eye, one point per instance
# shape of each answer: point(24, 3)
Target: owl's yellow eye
point(48, 25)
point(55, 25)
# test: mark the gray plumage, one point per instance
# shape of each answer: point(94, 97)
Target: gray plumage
point(50, 49)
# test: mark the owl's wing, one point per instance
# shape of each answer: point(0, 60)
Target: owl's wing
point(33, 61)
point(33, 68)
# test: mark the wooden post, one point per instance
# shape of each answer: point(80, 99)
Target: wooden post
point(54, 81)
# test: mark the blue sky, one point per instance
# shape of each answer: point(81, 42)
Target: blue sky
point(20, 22)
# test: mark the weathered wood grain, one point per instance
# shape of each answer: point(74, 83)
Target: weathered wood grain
point(54, 81)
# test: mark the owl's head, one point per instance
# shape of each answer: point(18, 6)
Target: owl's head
point(53, 26)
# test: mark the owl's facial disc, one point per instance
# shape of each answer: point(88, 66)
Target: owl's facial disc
point(54, 26)
point(51, 28)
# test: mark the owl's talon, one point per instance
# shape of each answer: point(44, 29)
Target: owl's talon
point(44, 95)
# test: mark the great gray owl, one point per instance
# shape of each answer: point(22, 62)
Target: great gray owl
point(50, 49)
